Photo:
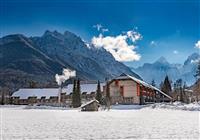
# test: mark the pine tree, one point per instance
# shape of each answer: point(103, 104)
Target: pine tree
point(2, 98)
point(78, 93)
point(179, 83)
point(98, 93)
point(161, 85)
point(166, 87)
point(32, 84)
point(153, 83)
point(74, 94)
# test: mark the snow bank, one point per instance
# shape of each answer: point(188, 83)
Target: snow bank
point(173, 106)
point(26, 107)
point(127, 107)
point(47, 107)
point(177, 106)
point(36, 124)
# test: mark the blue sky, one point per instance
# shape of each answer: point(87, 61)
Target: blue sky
point(169, 28)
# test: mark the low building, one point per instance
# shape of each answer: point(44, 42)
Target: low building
point(123, 89)
point(92, 105)
point(126, 89)
point(31, 96)
point(49, 96)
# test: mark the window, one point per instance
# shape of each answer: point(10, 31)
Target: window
point(122, 90)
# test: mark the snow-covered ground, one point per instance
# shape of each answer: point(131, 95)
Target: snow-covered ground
point(121, 122)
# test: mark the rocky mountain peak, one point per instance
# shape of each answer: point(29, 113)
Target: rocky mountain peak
point(162, 59)
point(192, 58)
point(53, 35)
point(15, 38)
point(162, 67)
point(43, 56)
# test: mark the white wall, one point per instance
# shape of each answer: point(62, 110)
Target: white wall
point(130, 89)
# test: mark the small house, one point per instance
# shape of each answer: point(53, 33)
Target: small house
point(92, 105)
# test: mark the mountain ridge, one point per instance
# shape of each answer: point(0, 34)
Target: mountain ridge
point(40, 58)
point(160, 68)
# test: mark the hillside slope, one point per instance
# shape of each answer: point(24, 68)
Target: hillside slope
point(38, 59)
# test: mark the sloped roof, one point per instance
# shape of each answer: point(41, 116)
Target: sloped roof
point(24, 93)
point(88, 88)
point(89, 102)
point(126, 76)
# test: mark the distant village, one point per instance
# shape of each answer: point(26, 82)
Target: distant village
point(89, 95)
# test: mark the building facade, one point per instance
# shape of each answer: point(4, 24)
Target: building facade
point(49, 96)
point(92, 105)
point(123, 89)
point(126, 89)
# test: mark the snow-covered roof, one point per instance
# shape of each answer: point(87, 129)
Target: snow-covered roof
point(87, 88)
point(94, 100)
point(126, 76)
point(24, 93)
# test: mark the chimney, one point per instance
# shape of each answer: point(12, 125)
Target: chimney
point(59, 94)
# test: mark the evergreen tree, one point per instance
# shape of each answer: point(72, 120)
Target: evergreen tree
point(179, 84)
point(76, 95)
point(175, 87)
point(166, 87)
point(153, 83)
point(161, 85)
point(98, 93)
point(32, 84)
point(2, 98)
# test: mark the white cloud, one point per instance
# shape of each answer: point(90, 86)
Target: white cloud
point(100, 28)
point(175, 52)
point(197, 45)
point(120, 46)
point(134, 36)
point(104, 30)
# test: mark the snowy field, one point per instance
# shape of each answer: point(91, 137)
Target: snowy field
point(121, 122)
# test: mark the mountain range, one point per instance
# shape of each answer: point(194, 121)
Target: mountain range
point(25, 59)
point(159, 69)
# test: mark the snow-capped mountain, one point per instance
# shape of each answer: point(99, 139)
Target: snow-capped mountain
point(189, 68)
point(25, 59)
point(159, 69)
